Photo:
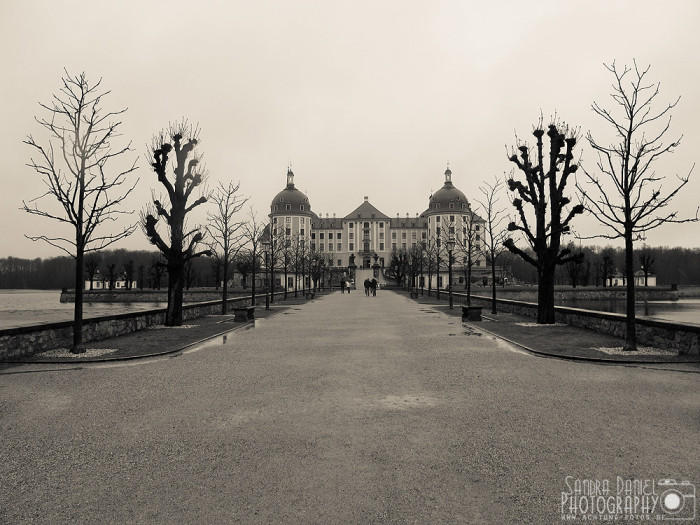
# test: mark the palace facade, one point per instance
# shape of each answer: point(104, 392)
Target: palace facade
point(361, 243)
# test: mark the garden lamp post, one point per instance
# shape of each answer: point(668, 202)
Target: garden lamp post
point(450, 247)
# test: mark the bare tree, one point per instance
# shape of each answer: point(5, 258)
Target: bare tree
point(74, 168)
point(252, 238)
point(543, 192)
point(92, 265)
point(646, 263)
point(627, 198)
point(495, 234)
point(467, 246)
point(225, 231)
point(189, 175)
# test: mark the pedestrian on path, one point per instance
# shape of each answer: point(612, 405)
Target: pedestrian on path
point(342, 286)
point(373, 285)
point(367, 284)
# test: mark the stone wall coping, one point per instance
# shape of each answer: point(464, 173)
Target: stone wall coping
point(104, 318)
point(667, 325)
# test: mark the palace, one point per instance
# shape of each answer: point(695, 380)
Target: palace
point(361, 243)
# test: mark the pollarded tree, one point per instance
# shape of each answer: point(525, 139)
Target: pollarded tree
point(627, 199)
point(543, 191)
point(77, 178)
point(226, 231)
point(180, 141)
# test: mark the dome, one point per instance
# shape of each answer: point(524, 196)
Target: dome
point(448, 197)
point(290, 199)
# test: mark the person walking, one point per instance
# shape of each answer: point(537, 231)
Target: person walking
point(367, 285)
point(373, 285)
point(342, 285)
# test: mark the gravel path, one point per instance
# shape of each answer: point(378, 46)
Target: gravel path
point(346, 409)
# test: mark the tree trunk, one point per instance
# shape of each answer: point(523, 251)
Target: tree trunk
point(224, 288)
point(437, 272)
point(545, 296)
point(493, 285)
point(176, 278)
point(77, 347)
point(630, 333)
point(469, 283)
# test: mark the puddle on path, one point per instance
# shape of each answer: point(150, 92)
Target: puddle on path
point(221, 339)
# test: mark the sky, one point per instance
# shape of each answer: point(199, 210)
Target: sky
point(362, 98)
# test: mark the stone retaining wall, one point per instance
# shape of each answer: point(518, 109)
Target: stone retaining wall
point(147, 296)
point(27, 340)
point(662, 334)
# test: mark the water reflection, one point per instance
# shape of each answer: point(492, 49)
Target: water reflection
point(680, 311)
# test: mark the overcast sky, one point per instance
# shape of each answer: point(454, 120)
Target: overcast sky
point(363, 98)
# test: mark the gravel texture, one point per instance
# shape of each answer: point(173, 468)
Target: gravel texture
point(344, 410)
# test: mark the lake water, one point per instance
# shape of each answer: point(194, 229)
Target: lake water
point(32, 307)
point(680, 311)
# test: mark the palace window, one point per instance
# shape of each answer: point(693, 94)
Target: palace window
point(288, 207)
point(352, 247)
point(339, 248)
point(381, 246)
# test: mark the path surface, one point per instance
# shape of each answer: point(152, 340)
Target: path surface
point(346, 409)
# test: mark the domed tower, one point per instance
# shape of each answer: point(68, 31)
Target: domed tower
point(290, 212)
point(447, 199)
point(290, 217)
point(450, 217)
point(290, 201)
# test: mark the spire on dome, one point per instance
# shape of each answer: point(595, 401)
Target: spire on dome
point(290, 177)
point(448, 175)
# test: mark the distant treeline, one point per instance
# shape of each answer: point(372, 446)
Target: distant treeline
point(669, 265)
point(110, 265)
